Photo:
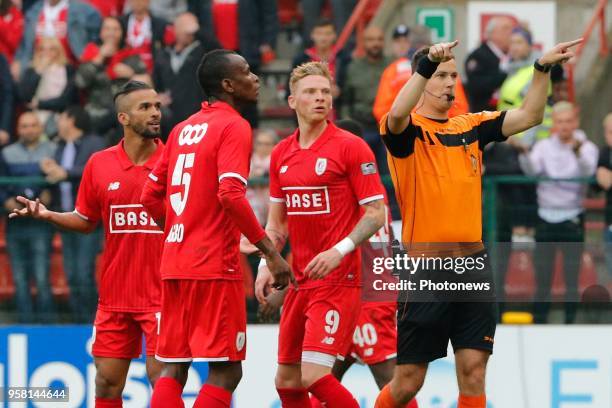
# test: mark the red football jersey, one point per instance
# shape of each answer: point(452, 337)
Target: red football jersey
point(110, 192)
point(322, 188)
point(202, 241)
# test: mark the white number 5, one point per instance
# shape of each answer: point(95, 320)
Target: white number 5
point(180, 177)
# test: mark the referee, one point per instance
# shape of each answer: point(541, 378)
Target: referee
point(436, 164)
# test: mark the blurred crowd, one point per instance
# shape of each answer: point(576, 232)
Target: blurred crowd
point(62, 60)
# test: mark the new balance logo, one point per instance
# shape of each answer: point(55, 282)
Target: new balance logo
point(328, 340)
point(114, 186)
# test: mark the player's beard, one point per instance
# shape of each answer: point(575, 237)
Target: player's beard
point(145, 132)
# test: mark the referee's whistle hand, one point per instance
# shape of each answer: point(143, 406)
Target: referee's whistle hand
point(560, 53)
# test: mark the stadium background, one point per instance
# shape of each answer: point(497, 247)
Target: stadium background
point(534, 366)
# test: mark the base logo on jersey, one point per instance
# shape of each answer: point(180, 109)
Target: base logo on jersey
point(130, 219)
point(306, 200)
point(321, 166)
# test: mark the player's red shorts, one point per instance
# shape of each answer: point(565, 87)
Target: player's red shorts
point(318, 322)
point(375, 335)
point(119, 334)
point(202, 320)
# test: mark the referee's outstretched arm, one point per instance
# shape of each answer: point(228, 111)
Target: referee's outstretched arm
point(531, 112)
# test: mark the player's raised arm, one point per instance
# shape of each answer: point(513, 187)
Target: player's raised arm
point(64, 220)
point(531, 111)
point(408, 97)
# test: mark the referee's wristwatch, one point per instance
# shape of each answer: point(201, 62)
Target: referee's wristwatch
point(542, 68)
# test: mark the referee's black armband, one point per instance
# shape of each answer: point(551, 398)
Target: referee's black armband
point(427, 67)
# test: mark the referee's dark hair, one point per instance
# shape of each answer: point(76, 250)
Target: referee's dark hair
point(80, 117)
point(418, 56)
point(350, 126)
point(213, 69)
point(126, 89)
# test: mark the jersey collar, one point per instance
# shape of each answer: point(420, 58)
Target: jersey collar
point(125, 161)
point(218, 105)
point(329, 131)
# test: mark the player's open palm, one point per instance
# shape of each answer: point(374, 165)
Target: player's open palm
point(322, 264)
point(34, 209)
point(442, 52)
point(560, 53)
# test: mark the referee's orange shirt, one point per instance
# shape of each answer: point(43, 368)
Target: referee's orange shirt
point(436, 167)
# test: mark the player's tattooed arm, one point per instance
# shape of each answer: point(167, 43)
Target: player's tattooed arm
point(372, 220)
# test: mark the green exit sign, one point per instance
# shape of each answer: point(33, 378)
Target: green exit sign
point(441, 21)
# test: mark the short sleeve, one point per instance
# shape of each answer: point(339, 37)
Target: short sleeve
point(402, 144)
point(276, 194)
point(88, 201)
point(234, 153)
point(489, 127)
point(363, 172)
point(159, 174)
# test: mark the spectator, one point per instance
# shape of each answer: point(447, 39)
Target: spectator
point(6, 102)
point(400, 43)
point(420, 36)
point(72, 22)
point(565, 154)
point(323, 36)
point(47, 86)
point(105, 67)
point(174, 71)
point(11, 28)
point(483, 65)
point(169, 10)
point(143, 31)
point(359, 92)
point(520, 73)
point(249, 27)
point(604, 179)
point(516, 208)
point(108, 8)
point(257, 193)
point(311, 10)
point(28, 242)
point(75, 147)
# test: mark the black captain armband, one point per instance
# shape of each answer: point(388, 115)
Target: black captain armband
point(427, 67)
point(542, 68)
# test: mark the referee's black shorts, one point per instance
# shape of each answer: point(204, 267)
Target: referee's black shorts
point(426, 323)
point(424, 329)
